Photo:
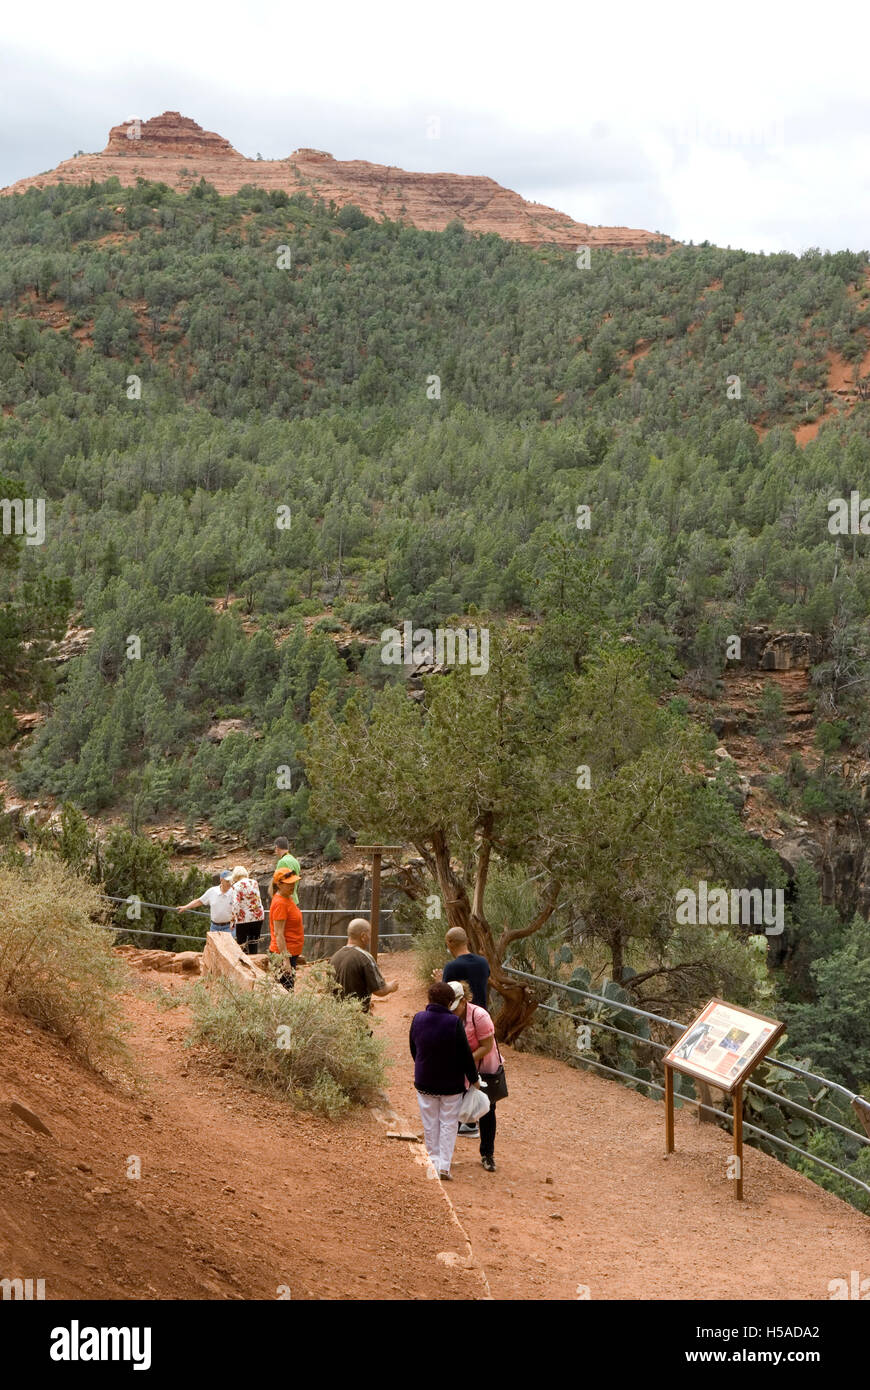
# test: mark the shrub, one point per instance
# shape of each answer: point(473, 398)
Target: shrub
point(797, 773)
point(844, 1153)
point(779, 789)
point(830, 795)
point(56, 967)
point(830, 736)
point(771, 714)
point(327, 1058)
point(369, 618)
point(352, 218)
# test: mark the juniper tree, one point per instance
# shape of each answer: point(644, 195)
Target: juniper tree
point(605, 804)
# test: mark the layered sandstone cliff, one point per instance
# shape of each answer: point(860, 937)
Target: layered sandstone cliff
point(174, 150)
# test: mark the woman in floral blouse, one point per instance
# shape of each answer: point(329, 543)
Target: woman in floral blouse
point(247, 909)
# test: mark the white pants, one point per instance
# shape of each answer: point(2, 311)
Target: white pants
point(440, 1116)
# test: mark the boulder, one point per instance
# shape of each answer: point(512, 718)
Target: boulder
point(752, 644)
point(29, 1117)
point(795, 847)
point(26, 723)
point(223, 956)
point(186, 963)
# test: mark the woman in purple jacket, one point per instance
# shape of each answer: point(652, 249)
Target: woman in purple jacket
point(442, 1064)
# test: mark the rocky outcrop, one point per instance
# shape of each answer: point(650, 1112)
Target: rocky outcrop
point(173, 149)
point(74, 642)
point(223, 727)
point(764, 650)
point(170, 135)
point(171, 962)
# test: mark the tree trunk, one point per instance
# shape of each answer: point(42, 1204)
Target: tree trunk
point(617, 959)
point(519, 1005)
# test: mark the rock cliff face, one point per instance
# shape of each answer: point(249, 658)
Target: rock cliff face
point(173, 149)
point(780, 651)
point(170, 135)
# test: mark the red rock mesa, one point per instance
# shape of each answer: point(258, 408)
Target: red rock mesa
point(174, 150)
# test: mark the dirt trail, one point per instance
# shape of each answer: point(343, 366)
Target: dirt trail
point(584, 1196)
point(239, 1195)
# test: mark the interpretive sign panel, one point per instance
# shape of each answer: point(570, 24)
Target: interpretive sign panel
point(723, 1044)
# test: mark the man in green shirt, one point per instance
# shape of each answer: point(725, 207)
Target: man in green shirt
point(286, 861)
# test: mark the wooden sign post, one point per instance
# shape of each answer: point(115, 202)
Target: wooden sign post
point(720, 1047)
point(374, 916)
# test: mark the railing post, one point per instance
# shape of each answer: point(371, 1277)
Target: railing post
point(737, 1112)
point(669, 1109)
point(376, 902)
point(374, 916)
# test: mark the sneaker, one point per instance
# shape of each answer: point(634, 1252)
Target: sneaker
point(470, 1131)
point(488, 1163)
point(446, 1177)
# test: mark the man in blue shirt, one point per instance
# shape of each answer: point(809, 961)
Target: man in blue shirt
point(465, 965)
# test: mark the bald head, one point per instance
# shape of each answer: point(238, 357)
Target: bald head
point(456, 941)
point(358, 932)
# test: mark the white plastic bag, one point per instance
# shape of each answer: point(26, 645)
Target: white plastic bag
point(474, 1104)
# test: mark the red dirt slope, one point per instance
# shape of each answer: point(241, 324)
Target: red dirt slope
point(239, 1195)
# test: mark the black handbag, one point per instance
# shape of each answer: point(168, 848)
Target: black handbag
point(494, 1082)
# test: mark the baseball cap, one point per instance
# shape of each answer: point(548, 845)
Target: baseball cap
point(458, 994)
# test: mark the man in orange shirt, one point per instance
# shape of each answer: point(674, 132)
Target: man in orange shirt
point(285, 924)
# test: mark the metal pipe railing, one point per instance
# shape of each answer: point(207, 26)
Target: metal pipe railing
point(195, 912)
point(167, 907)
point(680, 1027)
point(185, 936)
point(662, 1047)
point(851, 1096)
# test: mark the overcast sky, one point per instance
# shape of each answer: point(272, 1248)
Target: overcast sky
point(742, 124)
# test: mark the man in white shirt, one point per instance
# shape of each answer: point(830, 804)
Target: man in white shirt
point(219, 901)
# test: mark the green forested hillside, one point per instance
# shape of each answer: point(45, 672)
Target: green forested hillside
point(311, 387)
